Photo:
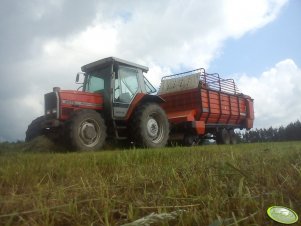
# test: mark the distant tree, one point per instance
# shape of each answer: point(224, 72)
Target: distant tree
point(289, 133)
point(281, 134)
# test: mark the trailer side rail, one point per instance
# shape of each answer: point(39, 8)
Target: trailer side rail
point(192, 79)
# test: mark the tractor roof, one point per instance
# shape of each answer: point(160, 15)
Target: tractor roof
point(110, 60)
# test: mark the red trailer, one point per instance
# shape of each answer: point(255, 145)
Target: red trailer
point(198, 103)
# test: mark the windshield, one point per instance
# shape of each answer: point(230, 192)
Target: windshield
point(95, 81)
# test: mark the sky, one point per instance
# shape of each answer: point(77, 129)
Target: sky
point(44, 43)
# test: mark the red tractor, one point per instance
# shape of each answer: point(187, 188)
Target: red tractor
point(118, 102)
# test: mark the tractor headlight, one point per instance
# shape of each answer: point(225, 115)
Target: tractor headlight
point(51, 111)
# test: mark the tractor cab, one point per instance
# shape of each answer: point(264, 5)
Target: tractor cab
point(119, 81)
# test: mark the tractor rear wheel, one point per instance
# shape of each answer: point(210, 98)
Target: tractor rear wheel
point(150, 126)
point(87, 130)
point(34, 129)
point(223, 137)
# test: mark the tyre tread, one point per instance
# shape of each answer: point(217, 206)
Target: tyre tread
point(70, 126)
point(136, 127)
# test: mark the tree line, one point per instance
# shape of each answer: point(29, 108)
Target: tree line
point(289, 133)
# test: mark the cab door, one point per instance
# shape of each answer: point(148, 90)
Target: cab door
point(126, 86)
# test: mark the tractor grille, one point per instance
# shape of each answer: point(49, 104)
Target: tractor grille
point(51, 101)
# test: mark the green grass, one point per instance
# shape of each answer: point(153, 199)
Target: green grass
point(202, 185)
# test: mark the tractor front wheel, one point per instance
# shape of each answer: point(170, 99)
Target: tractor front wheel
point(150, 126)
point(35, 129)
point(87, 130)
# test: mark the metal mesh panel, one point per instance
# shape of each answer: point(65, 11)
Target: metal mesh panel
point(192, 79)
point(176, 84)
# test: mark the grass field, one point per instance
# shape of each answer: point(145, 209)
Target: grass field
point(206, 185)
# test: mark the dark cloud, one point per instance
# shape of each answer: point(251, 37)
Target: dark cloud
point(25, 24)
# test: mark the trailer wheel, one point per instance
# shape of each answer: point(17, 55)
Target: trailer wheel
point(87, 130)
point(191, 140)
point(34, 129)
point(150, 126)
point(233, 137)
point(223, 137)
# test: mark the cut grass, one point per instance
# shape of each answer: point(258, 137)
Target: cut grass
point(207, 184)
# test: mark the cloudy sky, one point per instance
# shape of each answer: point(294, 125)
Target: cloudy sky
point(44, 43)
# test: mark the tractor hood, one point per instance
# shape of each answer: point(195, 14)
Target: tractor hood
point(60, 104)
point(81, 99)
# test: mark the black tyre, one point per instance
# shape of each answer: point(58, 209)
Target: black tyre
point(233, 137)
point(191, 140)
point(35, 129)
point(223, 137)
point(150, 126)
point(87, 131)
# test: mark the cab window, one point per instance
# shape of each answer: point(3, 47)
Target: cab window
point(126, 86)
point(149, 87)
point(94, 84)
point(96, 81)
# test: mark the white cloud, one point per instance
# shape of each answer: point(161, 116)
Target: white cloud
point(167, 34)
point(243, 16)
point(276, 94)
point(96, 41)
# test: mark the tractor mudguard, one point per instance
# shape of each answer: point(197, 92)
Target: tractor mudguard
point(142, 98)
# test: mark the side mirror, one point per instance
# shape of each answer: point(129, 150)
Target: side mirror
point(78, 77)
